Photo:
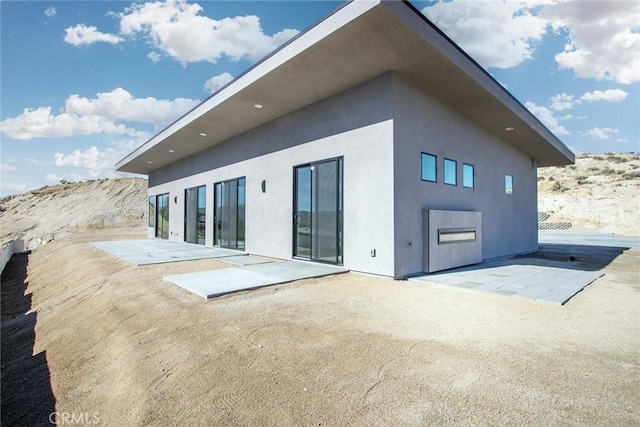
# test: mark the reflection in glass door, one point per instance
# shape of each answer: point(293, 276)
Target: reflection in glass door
point(194, 214)
point(318, 211)
point(229, 214)
point(162, 215)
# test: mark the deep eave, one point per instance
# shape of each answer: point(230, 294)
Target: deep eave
point(359, 41)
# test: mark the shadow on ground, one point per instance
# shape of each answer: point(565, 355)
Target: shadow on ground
point(575, 257)
point(27, 396)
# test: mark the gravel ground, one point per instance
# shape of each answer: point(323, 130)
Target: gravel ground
point(116, 345)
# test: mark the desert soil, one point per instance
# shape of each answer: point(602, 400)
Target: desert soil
point(93, 340)
point(119, 346)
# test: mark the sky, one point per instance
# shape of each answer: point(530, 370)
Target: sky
point(83, 83)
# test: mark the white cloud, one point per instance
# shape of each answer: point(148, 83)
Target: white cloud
point(40, 123)
point(96, 163)
point(611, 95)
point(602, 37)
point(496, 34)
point(562, 102)
point(154, 57)
point(51, 11)
point(119, 104)
point(99, 115)
point(82, 34)
point(216, 82)
point(600, 133)
point(546, 116)
point(604, 41)
point(177, 29)
point(13, 187)
point(5, 167)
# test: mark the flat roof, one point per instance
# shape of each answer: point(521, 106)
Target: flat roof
point(359, 41)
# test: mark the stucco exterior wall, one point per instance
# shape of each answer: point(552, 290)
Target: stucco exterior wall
point(356, 124)
point(509, 224)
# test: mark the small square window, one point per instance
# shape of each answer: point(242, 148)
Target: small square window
point(508, 184)
point(467, 175)
point(450, 172)
point(429, 167)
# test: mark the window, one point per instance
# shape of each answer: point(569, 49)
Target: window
point(429, 167)
point(467, 175)
point(152, 211)
point(508, 184)
point(450, 172)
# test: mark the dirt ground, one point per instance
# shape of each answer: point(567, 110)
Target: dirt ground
point(116, 345)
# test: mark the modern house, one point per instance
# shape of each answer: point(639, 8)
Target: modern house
point(371, 140)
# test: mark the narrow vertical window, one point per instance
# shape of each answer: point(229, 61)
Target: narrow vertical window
point(450, 172)
point(229, 214)
point(508, 184)
point(429, 167)
point(152, 211)
point(467, 175)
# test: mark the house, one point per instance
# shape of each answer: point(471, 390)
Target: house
point(371, 140)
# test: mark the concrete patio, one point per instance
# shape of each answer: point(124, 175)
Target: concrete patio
point(564, 265)
point(209, 284)
point(535, 281)
point(157, 251)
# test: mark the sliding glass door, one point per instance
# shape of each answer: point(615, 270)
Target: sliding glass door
point(162, 216)
point(318, 211)
point(194, 214)
point(229, 214)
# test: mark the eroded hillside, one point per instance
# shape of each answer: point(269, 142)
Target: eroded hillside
point(600, 193)
point(42, 215)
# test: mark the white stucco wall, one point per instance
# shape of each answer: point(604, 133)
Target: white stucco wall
point(380, 129)
point(423, 125)
point(355, 124)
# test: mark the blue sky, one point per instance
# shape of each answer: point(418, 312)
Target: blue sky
point(85, 82)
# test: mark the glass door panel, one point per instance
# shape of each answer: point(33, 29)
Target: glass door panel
point(229, 215)
point(318, 211)
point(194, 215)
point(302, 214)
point(202, 215)
point(162, 216)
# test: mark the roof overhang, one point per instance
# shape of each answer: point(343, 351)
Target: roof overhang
point(359, 41)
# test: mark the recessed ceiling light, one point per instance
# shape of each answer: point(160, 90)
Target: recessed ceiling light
point(171, 151)
point(149, 162)
point(509, 129)
point(258, 106)
point(203, 134)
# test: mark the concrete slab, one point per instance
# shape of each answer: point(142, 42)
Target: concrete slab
point(209, 284)
point(157, 251)
point(518, 279)
point(246, 260)
point(589, 239)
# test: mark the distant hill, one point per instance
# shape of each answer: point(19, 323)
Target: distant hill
point(600, 193)
point(47, 213)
